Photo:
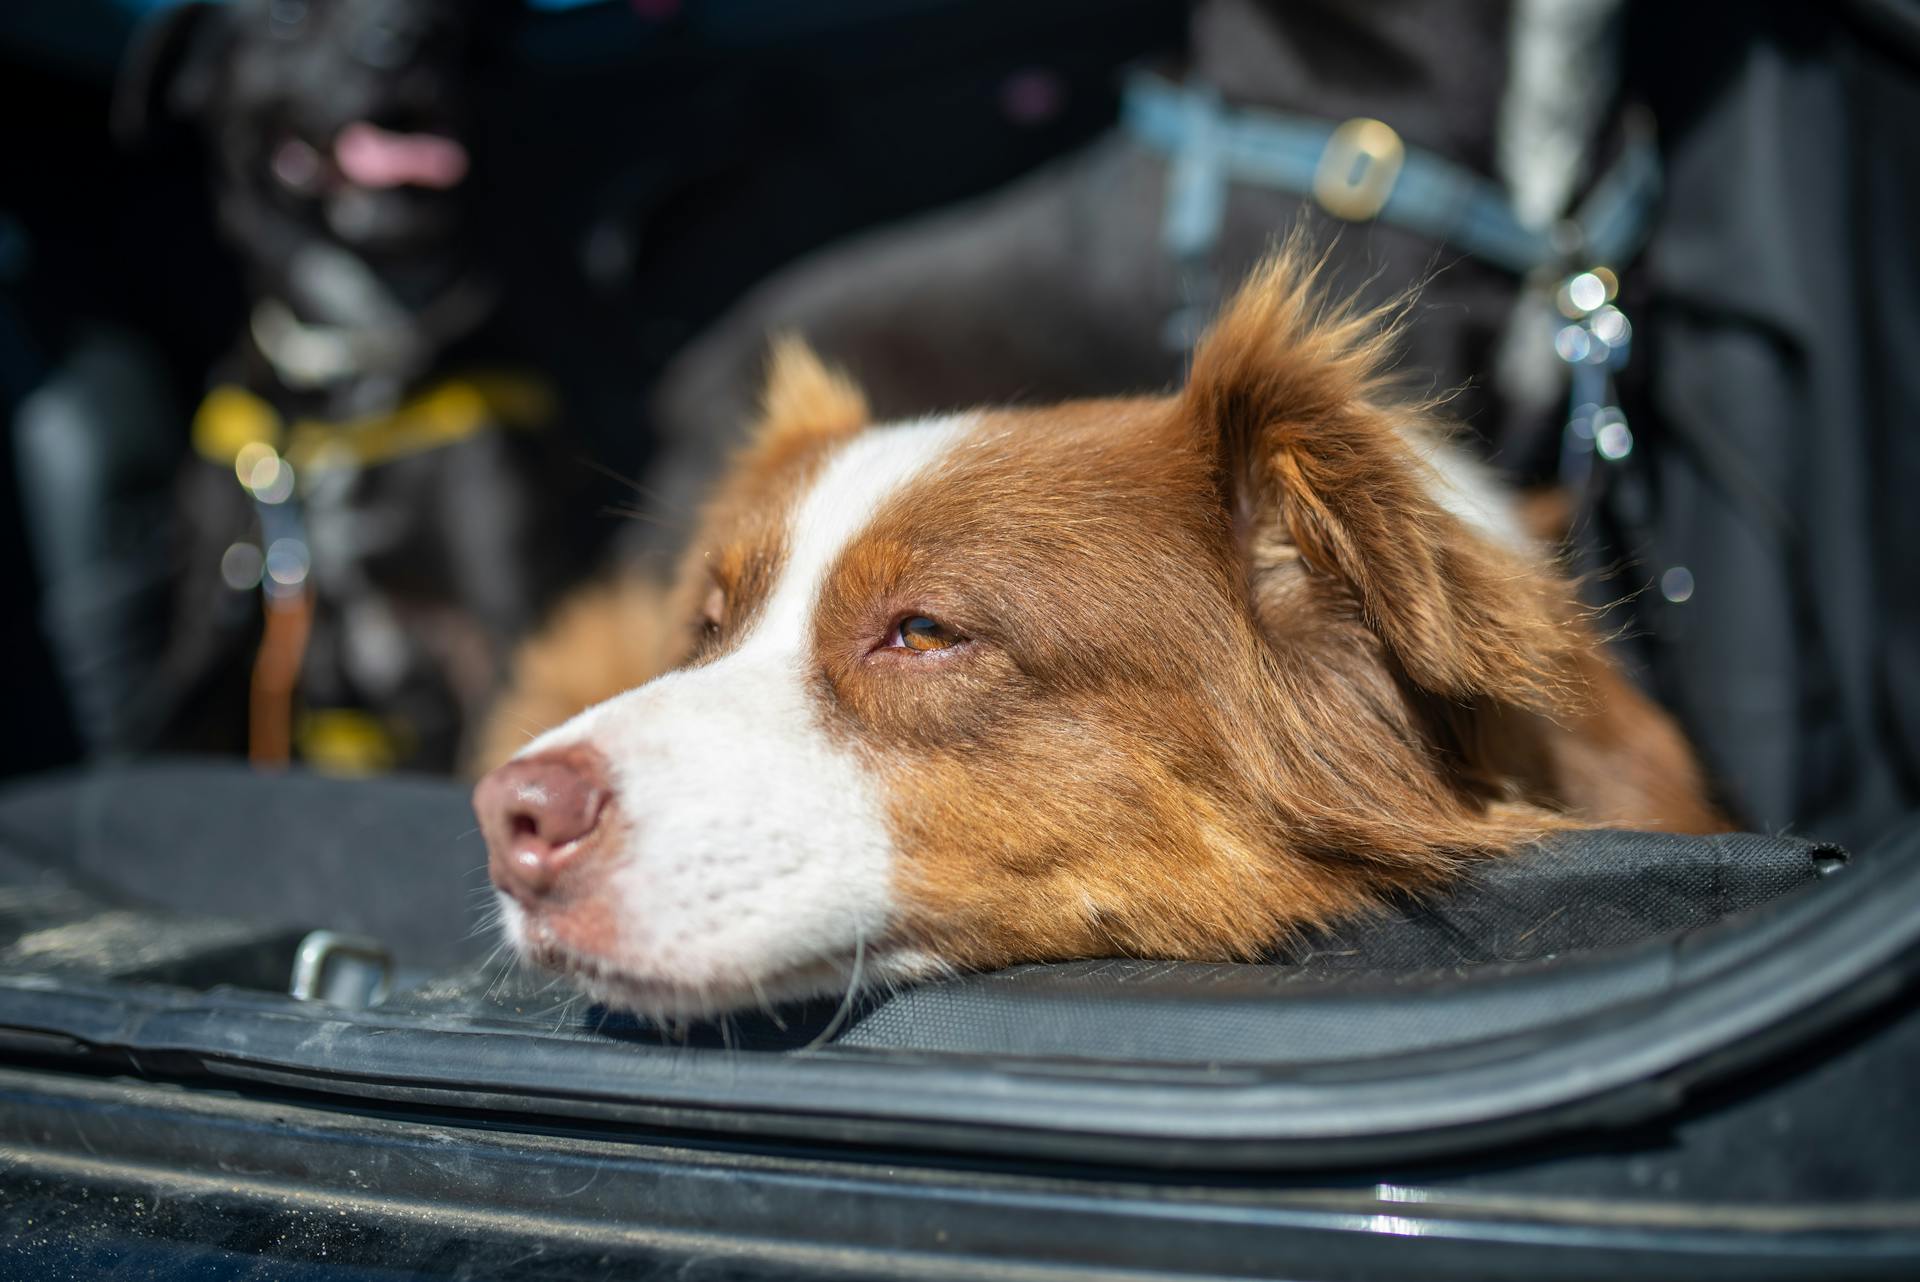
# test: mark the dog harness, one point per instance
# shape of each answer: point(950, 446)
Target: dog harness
point(1361, 170)
point(277, 462)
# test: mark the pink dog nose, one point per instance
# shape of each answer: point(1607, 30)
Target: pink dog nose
point(536, 814)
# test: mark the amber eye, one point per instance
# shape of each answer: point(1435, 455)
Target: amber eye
point(918, 632)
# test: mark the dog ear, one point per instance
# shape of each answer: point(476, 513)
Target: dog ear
point(1316, 457)
point(804, 397)
point(170, 69)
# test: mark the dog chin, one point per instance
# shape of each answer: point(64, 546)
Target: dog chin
point(622, 986)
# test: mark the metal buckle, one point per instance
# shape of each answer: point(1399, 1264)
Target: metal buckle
point(341, 969)
point(1358, 168)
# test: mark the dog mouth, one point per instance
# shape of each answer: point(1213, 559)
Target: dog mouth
point(372, 158)
point(618, 988)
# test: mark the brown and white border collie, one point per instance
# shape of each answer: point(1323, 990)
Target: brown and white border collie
point(1169, 676)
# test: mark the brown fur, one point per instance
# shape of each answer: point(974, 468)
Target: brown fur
point(1228, 667)
point(622, 633)
point(804, 396)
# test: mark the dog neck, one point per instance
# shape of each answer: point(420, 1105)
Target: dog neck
point(372, 359)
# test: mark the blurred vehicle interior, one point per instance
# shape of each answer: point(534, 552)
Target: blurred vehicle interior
point(342, 340)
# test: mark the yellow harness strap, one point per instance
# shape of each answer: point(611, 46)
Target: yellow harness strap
point(235, 428)
point(230, 418)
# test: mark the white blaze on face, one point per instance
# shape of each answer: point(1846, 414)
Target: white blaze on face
point(756, 844)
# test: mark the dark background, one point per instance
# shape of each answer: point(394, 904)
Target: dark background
point(664, 158)
point(665, 155)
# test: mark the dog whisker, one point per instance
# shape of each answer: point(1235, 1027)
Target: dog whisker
point(846, 1003)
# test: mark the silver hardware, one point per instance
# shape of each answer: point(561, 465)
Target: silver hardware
point(1587, 292)
point(1612, 439)
point(1676, 585)
point(1573, 344)
point(1594, 344)
point(1358, 169)
point(288, 562)
point(241, 565)
point(341, 970)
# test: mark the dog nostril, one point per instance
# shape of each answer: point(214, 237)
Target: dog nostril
point(536, 814)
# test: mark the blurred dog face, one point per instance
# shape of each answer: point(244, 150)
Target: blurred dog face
point(351, 118)
point(1166, 676)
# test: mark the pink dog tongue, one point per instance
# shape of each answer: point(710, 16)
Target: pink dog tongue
point(370, 156)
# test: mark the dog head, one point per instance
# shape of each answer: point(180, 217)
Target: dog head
point(342, 122)
point(1166, 676)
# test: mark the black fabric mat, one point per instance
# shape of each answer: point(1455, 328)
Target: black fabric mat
point(396, 858)
point(401, 859)
point(1584, 890)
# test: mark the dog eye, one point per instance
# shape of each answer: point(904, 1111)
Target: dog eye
point(918, 632)
point(713, 610)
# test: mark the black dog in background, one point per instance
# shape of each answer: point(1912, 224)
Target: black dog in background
point(378, 508)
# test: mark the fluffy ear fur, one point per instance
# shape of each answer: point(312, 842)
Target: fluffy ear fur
point(1317, 462)
point(805, 397)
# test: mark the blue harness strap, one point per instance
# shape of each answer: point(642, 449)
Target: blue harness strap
point(1360, 170)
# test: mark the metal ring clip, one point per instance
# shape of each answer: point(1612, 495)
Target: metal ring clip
point(344, 970)
point(1358, 169)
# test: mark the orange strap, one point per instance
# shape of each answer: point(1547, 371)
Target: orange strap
point(276, 670)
